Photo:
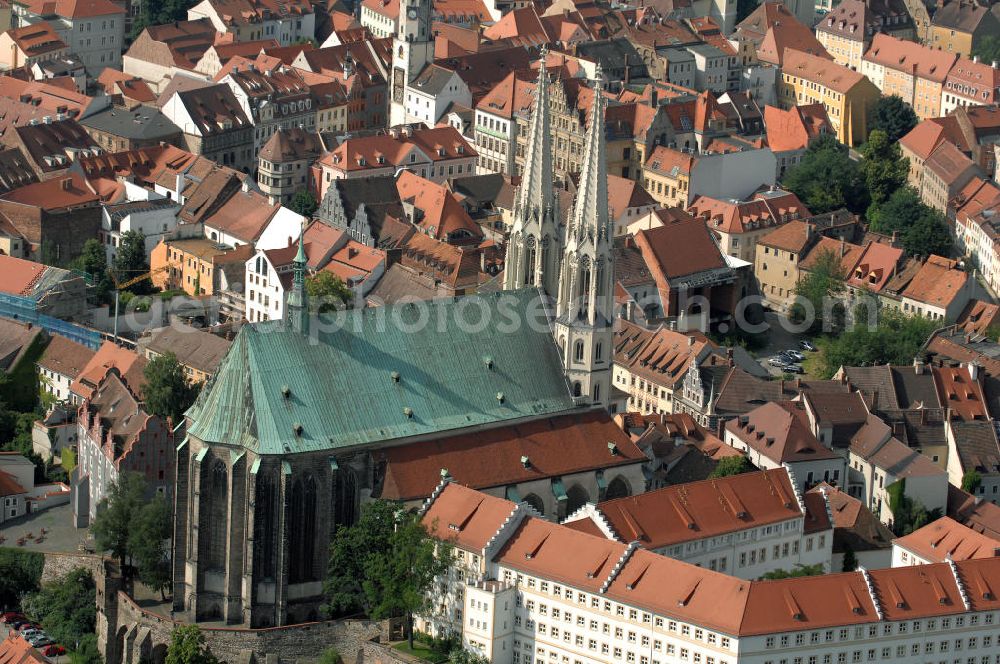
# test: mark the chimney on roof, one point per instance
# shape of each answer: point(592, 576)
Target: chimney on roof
point(923, 416)
point(975, 59)
point(973, 370)
point(654, 97)
point(65, 184)
point(918, 365)
point(875, 399)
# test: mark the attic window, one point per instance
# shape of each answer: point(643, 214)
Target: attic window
point(297, 428)
point(526, 462)
point(500, 397)
point(395, 376)
point(488, 361)
point(286, 391)
point(612, 448)
point(408, 412)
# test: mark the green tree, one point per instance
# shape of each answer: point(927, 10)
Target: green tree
point(384, 564)
point(850, 560)
point(884, 167)
point(350, 549)
point(399, 578)
point(971, 481)
point(987, 48)
point(732, 465)
point(828, 179)
point(922, 230)
point(93, 260)
point(187, 646)
point(20, 572)
point(798, 571)
point(148, 543)
point(87, 651)
point(304, 203)
point(66, 607)
point(824, 280)
point(130, 261)
point(168, 392)
point(325, 290)
point(895, 339)
point(117, 514)
point(158, 12)
point(460, 655)
point(893, 116)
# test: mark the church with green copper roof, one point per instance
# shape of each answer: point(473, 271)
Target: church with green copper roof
point(283, 442)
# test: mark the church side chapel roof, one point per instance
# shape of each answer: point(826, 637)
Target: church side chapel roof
point(380, 376)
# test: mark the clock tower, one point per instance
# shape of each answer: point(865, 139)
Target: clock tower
point(412, 50)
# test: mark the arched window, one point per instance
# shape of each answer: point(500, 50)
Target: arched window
point(303, 515)
point(578, 351)
point(599, 351)
point(266, 527)
point(346, 509)
point(529, 266)
point(218, 532)
point(618, 488)
point(536, 503)
point(576, 498)
point(577, 390)
point(597, 392)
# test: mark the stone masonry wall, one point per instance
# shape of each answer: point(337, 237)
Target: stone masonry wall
point(59, 564)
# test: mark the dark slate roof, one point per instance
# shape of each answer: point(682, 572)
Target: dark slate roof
point(432, 80)
point(612, 55)
point(914, 390)
point(479, 189)
point(382, 376)
point(977, 446)
point(400, 283)
point(141, 123)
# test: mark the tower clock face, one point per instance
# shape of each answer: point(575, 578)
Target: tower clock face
point(412, 13)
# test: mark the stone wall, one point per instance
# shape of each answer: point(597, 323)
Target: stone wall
point(59, 564)
point(130, 634)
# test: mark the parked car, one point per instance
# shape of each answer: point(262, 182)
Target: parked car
point(795, 355)
point(793, 368)
point(53, 650)
point(805, 344)
point(40, 639)
point(777, 361)
point(19, 623)
point(11, 616)
point(31, 633)
point(28, 626)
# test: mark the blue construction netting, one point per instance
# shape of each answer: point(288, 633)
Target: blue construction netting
point(24, 309)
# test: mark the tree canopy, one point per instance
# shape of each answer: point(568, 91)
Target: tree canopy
point(187, 646)
point(825, 279)
point(303, 203)
point(20, 572)
point(922, 230)
point(987, 48)
point(149, 541)
point(327, 291)
point(93, 260)
point(66, 607)
point(895, 339)
point(384, 564)
point(733, 465)
point(893, 116)
point(130, 261)
point(797, 571)
point(116, 515)
point(883, 166)
point(971, 481)
point(168, 392)
point(827, 179)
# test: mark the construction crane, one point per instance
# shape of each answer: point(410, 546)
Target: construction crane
point(120, 286)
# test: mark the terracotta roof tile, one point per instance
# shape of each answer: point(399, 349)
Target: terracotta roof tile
point(466, 517)
point(938, 282)
point(555, 447)
point(821, 71)
point(65, 357)
point(947, 539)
point(781, 432)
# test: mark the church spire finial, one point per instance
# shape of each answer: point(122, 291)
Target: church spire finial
point(533, 248)
point(298, 299)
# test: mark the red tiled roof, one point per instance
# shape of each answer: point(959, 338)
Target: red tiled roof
point(128, 363)
point(19, 276)
point(821, 71)
point(938, 282)
point(978, 317)
point(781, 432)
point(9, 485)
point(555, 446)
point(36, 39)
point(795, 128)
point(16, 650)
point(73, 8)
point(699, 510)
point(793, 236)
point(947, 539)
point(927, 135)
point(442, 214)
point(467, 517)
point(70, 190)
point(659, 249)
point(910, 57)
point(962, 395)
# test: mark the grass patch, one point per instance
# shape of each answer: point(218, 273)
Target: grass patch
point(421, 651)
point(813, 364)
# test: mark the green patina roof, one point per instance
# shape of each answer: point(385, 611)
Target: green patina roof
point(341, 387)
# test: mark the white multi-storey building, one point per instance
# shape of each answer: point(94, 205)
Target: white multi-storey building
point(94, 30)
point(524, 590)
point(746, 525)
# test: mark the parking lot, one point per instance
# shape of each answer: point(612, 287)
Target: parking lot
point(779, 338)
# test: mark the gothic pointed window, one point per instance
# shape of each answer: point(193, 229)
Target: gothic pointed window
point(303, 517)
point(218, 504)
point(346, 509)
point(577, 389)
point(266, 527)
point(578, 351)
